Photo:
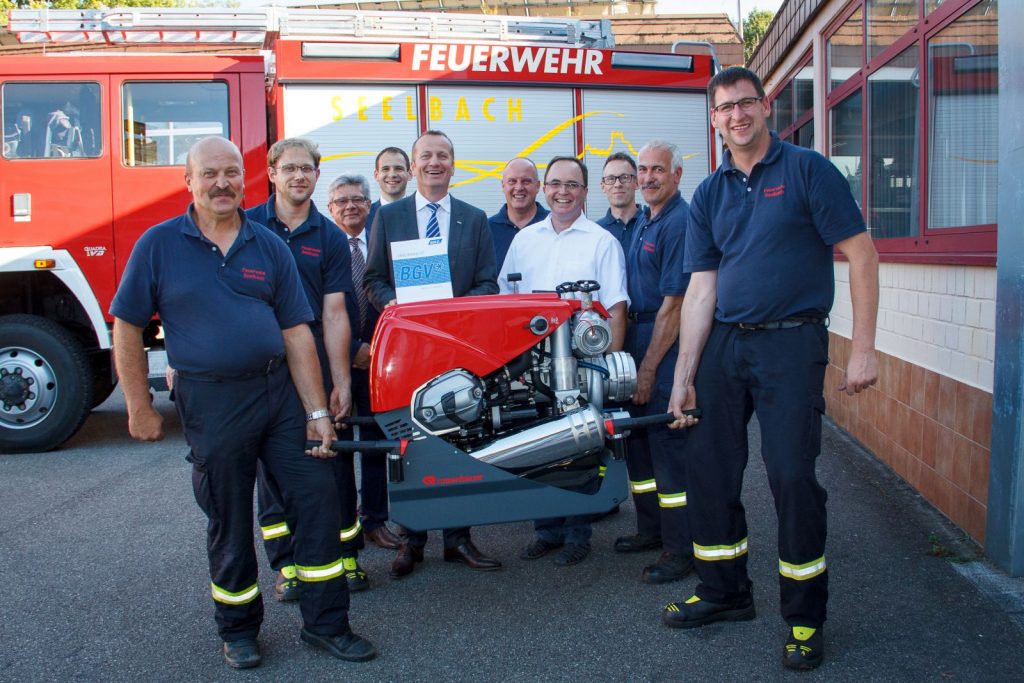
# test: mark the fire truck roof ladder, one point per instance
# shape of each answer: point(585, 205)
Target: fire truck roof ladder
point(151, 25)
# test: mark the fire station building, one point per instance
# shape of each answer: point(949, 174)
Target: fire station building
point(913, 101)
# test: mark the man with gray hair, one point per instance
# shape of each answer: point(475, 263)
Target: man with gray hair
point(320, 253)
point(349, 203)
point(656, 286)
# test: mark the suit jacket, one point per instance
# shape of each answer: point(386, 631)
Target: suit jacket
point(470, 250)
point(364, 333)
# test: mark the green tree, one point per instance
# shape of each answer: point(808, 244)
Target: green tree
point(754, 27)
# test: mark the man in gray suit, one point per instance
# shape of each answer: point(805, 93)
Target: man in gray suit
point(432, 212)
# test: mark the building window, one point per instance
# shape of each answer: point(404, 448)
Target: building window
point(163, 120)
point(888, 20)
point(845, 49)
point(793, 105)
point(963, 98)
point(913, 128)
point(894, 127)
point(845, 142)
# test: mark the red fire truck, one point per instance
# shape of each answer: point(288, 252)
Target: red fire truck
point(95, 140)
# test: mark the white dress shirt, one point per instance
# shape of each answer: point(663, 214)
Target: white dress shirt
point(361, 241)
point(583, 251)
point(444, 214)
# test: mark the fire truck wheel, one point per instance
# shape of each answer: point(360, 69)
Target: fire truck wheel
point(46, 384)
point(103, 381)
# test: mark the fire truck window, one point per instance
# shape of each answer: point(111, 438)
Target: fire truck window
point(51, 120)
point(162, 120)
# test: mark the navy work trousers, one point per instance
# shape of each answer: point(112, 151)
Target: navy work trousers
point(230, 426)
point(779, 376)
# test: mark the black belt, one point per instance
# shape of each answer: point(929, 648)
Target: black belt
point(784, 324)
point(272, 365)
point(643, 317)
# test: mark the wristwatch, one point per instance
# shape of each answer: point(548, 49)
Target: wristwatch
point(317, 414)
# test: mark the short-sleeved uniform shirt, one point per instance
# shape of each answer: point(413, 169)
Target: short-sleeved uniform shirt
point(222, 313)
point(583, 251)
point(321, 252)
point(770, 235)
point(503, 231)
point(654, 260)
point(623, 232)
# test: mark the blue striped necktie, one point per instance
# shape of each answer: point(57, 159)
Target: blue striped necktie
point(433, 229)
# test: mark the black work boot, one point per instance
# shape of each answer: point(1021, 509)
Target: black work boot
point(804, 649)
point(668, 568)
point(696, 612)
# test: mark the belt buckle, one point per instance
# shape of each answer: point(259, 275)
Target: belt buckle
point(746, 326)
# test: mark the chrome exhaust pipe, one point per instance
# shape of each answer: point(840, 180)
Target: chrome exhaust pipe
point(575, 434)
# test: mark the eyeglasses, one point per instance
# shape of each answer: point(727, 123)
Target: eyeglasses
point(571, 186)
point(290, 169)
point(745, 105)
point(342, 201)
point(624, 179)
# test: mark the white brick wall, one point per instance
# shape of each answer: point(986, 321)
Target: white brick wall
point(939, 317)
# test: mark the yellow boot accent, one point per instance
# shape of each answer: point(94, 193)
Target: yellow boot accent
point(803, 632)
point(289, 571)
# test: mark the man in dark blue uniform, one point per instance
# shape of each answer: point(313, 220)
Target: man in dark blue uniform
point(433, 212)
point(657, 284)
point(349, 204)
point(618, 182)
point(391, 171)
point(520, 183)
point(236, 326)
point(753, 340)
point(293, 165)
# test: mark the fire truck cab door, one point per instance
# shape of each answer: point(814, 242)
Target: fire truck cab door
point(55, 169)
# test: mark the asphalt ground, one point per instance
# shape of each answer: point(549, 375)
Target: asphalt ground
point(103, 552)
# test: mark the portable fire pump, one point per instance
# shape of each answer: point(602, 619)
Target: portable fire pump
point(496, 407)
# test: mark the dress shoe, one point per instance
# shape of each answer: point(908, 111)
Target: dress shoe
point(242, 654)
point(469, 555)
point(354, 575)
point(383, 537)
point(538, 549)
point(349, 646)
point(804, 649)
point(405, 561)
point(287, 586)
point(696, 612)
point(637, 543)
point(668, 568)
point(572, 553)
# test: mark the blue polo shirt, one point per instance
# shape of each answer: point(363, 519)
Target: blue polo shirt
point(770, 235)
point(654, 260)
point(623, 232)
point(222, 314)
point(320, 250)
point(503, 231)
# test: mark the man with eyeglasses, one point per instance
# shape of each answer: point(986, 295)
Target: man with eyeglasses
point(350, 205)
point(322, 257)
point(433, 212)
point(520, 183)
point(753, 339)
point(391, 171)
point(567, 246)
point(657, 285)
point(618, 182)
point(236, 323)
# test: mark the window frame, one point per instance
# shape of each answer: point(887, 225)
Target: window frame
point(963, 245)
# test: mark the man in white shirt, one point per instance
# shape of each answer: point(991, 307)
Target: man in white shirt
point(567, 246)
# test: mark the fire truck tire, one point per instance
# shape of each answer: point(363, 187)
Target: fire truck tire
point(46, 384)
point(103, 381)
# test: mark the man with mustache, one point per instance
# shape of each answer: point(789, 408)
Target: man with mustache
point(657, 284)
point(320, 252)
point(235, 321)
point(520, 183)
point(433, 213)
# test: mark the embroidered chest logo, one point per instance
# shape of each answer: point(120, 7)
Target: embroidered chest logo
point(253, 274)
point(648, 247)
point(309, 251)
point(776, 191)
